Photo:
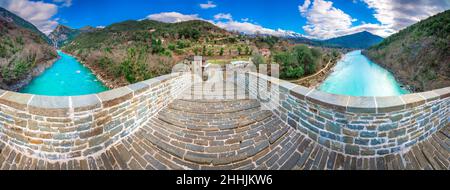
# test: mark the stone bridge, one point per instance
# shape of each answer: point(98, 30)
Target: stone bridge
point(246, 121)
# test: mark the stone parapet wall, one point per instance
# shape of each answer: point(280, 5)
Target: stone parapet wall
point(58, 128)
point(360, 126)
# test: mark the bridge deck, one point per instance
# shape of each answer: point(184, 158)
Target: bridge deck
point(215, 132)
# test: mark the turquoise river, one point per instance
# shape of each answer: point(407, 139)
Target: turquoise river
point(67, 77)
point(356, 75)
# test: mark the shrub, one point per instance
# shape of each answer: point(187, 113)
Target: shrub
point(298, 61)
point(3, 51)
point(171, 47)
point(181, 44)
point(258, 59)
point(210, 52)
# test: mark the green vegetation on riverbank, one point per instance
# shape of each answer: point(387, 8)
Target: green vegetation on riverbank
point(21, 50)
point(418, 55)
point(298, 61)
point(132, 51)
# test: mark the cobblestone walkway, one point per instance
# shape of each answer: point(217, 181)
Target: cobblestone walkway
point(230, 134)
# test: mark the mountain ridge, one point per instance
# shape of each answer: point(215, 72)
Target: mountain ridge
point(418, 55)
point(24, 53)
point(116, 51)
point(152, 42)
point(8, 15)
point(62, 34)
point(359, 40)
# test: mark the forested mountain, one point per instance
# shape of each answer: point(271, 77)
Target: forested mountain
point(361, 40)
point(132, 51)
point(62, 34)
point(11, 17)
point(24, 51)
point(418, 55)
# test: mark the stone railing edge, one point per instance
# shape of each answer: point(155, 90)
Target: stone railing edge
point(61, 106)
point(357, 126)
point(69, 127)
point(358, 104)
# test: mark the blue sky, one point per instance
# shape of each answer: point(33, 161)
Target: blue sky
point(312, 18)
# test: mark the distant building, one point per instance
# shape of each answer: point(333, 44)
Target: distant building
point(191, 58)
point(265, 52)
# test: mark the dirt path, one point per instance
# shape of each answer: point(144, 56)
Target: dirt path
point(314, 80)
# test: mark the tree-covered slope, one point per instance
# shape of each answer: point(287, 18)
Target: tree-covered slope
point(419, 55)
point(23, 53)
point(11, 17)
point(144, 31)
point(132, 51)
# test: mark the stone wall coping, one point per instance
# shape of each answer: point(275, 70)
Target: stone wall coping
point(15, 100)
point(48, 105)
point(358, 104)
point(113, 97)
point(70, 127)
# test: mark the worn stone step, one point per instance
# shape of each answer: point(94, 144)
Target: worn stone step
point(243, 136)
point(213, 106)
point(226, 137)
point(211, 122)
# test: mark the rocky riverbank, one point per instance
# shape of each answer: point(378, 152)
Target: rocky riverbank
point(38, 70)
point(400, 75)
point(101, 76)
point(418, 55)
point(316, 79)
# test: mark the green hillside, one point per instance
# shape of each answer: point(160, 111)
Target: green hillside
point(23, 53)
point(418, 55)
point(22, 23)
point(132, 51)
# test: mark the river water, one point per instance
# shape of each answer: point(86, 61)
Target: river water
point(66, 77)
point(356, 75)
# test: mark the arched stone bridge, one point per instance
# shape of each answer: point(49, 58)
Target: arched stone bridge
point(247, 121)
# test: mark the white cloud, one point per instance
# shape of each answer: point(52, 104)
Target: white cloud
point(252, 29)
point(398, 14)
point(222, 16)
point(100, 27)
point(224, 21)
point(173, 17)
point(64, 3)
point(37, 12)
point(208, 5)
point(303, 8)
point(325, 21)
